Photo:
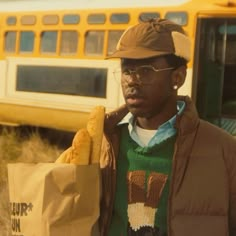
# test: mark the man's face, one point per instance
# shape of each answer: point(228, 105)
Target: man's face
point(146, 92)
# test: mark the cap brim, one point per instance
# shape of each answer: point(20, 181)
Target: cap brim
point(136, 54)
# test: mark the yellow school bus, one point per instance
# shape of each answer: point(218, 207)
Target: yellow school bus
point(52, 67)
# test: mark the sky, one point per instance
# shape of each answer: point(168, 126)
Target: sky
point(18, 5)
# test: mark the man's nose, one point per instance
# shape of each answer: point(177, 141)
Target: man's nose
point(133, 79)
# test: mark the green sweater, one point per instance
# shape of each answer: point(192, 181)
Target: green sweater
point(137, 168)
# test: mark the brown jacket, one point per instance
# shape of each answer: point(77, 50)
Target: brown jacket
point(202, 197)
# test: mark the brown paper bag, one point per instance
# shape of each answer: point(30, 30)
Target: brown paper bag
point(53, 199)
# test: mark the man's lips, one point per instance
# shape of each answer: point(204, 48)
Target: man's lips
point(134, 99)
point(134, 96)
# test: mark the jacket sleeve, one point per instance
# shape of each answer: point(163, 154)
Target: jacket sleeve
point(232, 187)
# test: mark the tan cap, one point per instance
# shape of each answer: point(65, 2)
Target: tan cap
point(155, 37)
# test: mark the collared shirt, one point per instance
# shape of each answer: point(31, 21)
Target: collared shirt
point(165, 131)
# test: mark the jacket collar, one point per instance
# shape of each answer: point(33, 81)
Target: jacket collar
point(188, 121)
point(113, 118)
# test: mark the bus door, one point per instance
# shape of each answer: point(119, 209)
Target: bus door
point(214, 74)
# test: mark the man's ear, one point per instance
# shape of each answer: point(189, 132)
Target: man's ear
point(178, 77)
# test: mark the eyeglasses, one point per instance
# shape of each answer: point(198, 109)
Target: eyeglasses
point(142, 73)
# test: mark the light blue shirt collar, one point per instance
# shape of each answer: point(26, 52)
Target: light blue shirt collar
point(165, 131)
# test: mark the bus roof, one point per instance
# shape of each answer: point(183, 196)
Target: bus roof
point(36, 5)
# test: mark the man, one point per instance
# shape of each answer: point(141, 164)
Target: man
point(165, 172)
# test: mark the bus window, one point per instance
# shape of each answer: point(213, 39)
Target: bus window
point(11, 20)
point(119, 18)
point(113, 38)
point(70, 19)
point(94, 41)
point(89, 82)
point(50, 20)
point(28, 20)
point(180, 18)
point(230, 55)
point(96, 19)
point(229, 86)
point(148, 15)
point(10, 41)
point(26, 41)
point(69, 42)
point(48, 42)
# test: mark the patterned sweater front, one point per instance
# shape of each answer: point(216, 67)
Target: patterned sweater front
point(143, 175)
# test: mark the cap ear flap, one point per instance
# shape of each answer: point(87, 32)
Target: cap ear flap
point(182, 45)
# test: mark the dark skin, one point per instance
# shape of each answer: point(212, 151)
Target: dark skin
point(156, 102)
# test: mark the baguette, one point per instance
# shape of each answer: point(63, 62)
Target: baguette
point(81, 148)
point(95, 127)
point(65, 156)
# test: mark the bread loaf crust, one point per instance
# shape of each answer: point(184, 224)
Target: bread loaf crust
point(81, 148)
point(95, 127)
point(86, 144)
